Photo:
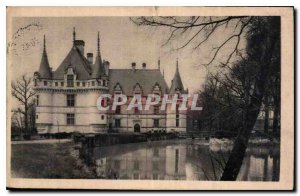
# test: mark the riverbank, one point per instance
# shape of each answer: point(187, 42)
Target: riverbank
point(42, 141)
point(69, 160)
point(45, 160)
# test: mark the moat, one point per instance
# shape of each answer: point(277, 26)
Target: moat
point(177, 160)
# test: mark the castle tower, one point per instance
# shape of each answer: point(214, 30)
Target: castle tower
point(176, 82)
point(44, 70)
point(176, 120)
point(98, 69)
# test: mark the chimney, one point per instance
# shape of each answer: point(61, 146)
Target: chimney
point(89, 57)
point(144, 65)
point(80, 45)
point(158, 64)
point(133, 65)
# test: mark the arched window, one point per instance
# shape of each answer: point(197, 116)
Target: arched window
point(137, 128)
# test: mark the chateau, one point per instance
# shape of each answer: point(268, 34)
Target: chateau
point(66, 99)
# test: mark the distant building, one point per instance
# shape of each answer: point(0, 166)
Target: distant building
point(194, 121)
point(66, 98)
point(261, 119)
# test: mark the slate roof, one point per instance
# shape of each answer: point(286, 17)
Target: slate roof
point(44, 70)
point(176, 82)
point(76, 60)
point(98, 68)
point(128, 78)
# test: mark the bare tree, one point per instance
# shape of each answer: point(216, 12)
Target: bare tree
point(17, 123)
point(263, 40)
point(204, 28)
point(23, 92)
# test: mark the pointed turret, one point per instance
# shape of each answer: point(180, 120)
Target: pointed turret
point(98, 70)
point(74, 35)
point(176, 82)
point(45, 71)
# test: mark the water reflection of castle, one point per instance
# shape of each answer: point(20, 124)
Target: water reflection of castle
point(155, 163)
point(180, 162)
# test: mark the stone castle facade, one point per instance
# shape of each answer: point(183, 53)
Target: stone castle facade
point(66, 98)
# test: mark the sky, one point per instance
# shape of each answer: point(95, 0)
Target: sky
point(122, 42)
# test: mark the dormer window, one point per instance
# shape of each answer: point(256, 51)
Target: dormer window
point(137, 89)
point(83, 84)
point(157, 89)
point(118, 88)
point(70, 81)
point(93, 83)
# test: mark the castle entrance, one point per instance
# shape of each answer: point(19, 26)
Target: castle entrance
point(137, 128)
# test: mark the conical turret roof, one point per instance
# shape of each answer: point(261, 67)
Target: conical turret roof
point(44, 70)
point(98, 68)
point(176, 82)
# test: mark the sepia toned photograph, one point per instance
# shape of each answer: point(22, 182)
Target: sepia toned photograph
point(150, 98)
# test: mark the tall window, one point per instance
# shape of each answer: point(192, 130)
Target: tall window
point(37, 100)
point(117, 123)
point(156, 122)
point(70, 100)
point(70, 81)
point(177, 122)
point(118, 109)
point(45, 83)
point(62, 83)
point(177, 115)
point(56, 83)
point(70, 119)
point(156, 109)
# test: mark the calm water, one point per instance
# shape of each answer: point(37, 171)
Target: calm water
point(178, 160)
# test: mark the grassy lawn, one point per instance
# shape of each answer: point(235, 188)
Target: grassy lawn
point(44, 161)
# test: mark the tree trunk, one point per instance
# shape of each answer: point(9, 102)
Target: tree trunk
point(236, 157)
point(266, 119)
point(26, 118)
point(275, 120)
point(276, 98)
